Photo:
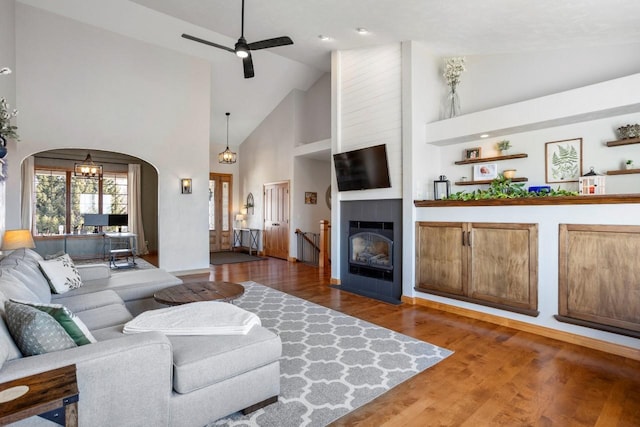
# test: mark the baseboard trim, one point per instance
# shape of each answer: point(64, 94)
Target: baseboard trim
point(334, 281)
point(189, 272)
point(592, 343)
point(292, 259)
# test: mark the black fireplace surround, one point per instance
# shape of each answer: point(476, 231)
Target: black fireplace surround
point(371, 248)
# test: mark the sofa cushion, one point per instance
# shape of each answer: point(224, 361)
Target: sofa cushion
point(13, 288)
point(103, 317)
point(82, 302)
point(34, 331)
point(32, 276)
point(199, 361)
point(61, 273)
point(5, 335)
point(4, 351)
point(132, 285)
point(69, 321)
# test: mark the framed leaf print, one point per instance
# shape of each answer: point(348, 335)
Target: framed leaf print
point(563, 160)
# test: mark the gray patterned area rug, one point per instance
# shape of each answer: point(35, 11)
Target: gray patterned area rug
point(332, 363)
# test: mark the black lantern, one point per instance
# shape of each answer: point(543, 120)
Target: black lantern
point(441, 188)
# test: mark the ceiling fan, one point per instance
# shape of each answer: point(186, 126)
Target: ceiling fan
point(243, 49)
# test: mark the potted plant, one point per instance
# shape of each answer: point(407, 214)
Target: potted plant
point(7, 130)
point(504, 146)
point(628, 164)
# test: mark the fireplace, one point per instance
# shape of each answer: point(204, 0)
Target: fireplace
point(371, 249)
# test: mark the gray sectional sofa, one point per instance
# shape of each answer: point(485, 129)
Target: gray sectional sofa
point(145, 379)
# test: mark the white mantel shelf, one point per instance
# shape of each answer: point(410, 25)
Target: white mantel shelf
point(607, 99)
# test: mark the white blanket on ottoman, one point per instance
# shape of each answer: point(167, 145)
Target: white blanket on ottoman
point(197, 318)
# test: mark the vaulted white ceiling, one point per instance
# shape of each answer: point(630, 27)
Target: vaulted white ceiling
point(451, 27)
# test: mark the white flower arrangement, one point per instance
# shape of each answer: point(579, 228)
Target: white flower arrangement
point(6, 129)
point(453, 69)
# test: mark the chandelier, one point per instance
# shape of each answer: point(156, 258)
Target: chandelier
point(227, 156)
point(87, 169)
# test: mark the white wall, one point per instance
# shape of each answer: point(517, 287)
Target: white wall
point(83, 87)
point(316, 112)
point(267, 155)
point(595, 153)
point(310, 176)
point(494, 80)
point(7, 82)
point(370, 110)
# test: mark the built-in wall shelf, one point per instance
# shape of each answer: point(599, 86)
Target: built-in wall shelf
point(492, 159)
point(627, 141)
point(489, 181)
point(578, 105)
point(623, 172)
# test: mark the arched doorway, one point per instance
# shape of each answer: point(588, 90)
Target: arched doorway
point(60, 197)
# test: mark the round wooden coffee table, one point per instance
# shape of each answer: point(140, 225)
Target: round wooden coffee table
point(199, 291)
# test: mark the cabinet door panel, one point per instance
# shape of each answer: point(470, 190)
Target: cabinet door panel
point(599, 274)
point(503, 264)
point(441, 257)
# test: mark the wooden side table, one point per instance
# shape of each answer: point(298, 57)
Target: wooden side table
point(46, 394)
point(199, 291)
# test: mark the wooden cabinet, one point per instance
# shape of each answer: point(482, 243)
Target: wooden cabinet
point(494, 264)
point(599, 277)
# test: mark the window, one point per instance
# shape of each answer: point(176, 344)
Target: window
point(62, 199)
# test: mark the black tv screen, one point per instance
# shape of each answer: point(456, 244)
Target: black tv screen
point(118, 219)
point(362, 169)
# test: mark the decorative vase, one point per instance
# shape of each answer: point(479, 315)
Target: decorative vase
point(626, 165)
point(453, 103)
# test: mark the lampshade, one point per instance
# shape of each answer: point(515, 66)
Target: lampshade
point(17, 239)
point(239, 217)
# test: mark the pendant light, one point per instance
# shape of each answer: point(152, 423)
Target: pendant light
point(87, 169)
point(227, 156)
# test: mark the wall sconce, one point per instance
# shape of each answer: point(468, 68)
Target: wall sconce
point(185, 184)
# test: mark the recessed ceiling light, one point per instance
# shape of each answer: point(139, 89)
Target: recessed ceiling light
point(484, 135)
point(362, 30)
point(324, 38)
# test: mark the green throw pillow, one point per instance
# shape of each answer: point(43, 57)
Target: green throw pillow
point(61, 274)
point(76, 329)
point(34, 331)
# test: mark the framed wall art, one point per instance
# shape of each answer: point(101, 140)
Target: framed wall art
point(310, 198)
point(484, 172)
point(563, 160)
point(472, 153)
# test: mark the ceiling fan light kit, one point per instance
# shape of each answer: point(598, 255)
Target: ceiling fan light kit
point(242, 49)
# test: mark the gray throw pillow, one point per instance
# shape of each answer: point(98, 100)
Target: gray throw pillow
point(34, 331)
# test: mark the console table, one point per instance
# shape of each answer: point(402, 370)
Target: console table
point(252, 238)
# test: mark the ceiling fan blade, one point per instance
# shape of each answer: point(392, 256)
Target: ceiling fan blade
point(247, 63)
point(219, 46)
point(265, 44)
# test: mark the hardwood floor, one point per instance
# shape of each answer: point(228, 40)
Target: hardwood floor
point(497, 375)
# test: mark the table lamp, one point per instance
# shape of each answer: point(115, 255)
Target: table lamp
point(239, 219)
point(17, 239)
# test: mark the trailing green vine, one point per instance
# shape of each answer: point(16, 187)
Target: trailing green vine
point(503, 188)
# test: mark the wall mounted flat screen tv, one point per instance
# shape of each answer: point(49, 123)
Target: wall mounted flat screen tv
point(362, 169)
